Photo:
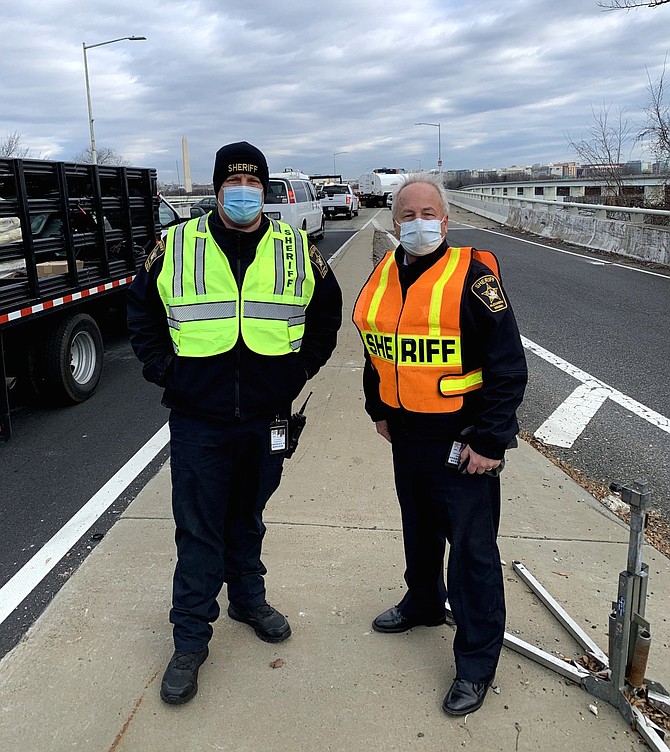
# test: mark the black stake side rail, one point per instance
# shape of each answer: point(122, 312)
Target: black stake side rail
point(90, 225)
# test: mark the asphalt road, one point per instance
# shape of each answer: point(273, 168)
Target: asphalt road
point(607, 316)
point(610, 322)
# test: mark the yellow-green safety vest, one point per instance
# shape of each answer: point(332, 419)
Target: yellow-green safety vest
point(204, 307)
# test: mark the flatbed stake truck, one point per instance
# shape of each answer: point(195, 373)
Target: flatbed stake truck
point(72, 237)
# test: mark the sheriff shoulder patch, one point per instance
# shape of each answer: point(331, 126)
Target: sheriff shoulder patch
point(488, 290)
point(157, 252)
point(318, 260)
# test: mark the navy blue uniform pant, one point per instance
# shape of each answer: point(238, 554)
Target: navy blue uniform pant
point(438, 505)
point(222, 478)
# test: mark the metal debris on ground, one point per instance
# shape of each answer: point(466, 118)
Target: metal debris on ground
point(640, 700)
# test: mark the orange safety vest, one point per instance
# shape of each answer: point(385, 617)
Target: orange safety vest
point(415, 346)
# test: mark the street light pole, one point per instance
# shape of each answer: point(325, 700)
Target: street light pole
point(94, 153)
point(334, 155)
point(439, 143)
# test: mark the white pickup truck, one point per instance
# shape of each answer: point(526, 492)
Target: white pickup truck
point(339, 199)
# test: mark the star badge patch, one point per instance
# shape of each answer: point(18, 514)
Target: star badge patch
point(318, 260)
point(488, 290)
point(158, 251)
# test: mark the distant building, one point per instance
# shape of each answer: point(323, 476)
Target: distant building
point(569, 169)
point(660, 168)
point(554, 171)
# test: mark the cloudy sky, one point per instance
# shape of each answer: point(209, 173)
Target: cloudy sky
point(305, 79)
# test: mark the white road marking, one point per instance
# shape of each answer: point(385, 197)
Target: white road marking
point(35, 570)
point(568, 421)
point(561, 250)
point(564, 426)
point(571, 417)
point(343, 247)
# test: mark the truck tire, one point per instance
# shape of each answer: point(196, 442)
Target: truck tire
point(73, 357)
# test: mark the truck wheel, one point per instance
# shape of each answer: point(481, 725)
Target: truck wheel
point(73, 359)
point(350, 214)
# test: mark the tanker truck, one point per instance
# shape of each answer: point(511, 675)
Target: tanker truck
point(375, 186)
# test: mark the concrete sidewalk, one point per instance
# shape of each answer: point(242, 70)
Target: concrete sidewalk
point(86, 676)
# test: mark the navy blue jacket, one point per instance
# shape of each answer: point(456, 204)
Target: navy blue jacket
point(239, 384)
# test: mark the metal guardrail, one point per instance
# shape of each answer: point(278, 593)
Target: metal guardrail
point(635, 215)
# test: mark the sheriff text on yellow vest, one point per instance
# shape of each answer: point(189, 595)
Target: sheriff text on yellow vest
point(206, 311)
point(415, 346)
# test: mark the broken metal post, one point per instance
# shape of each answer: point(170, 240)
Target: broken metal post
point(638, 665)
point(560, 613)
point(632, 595)
point(638, 497)
point(623, 671)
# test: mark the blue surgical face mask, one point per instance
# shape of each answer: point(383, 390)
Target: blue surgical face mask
point(242, 203)
point(420, 236)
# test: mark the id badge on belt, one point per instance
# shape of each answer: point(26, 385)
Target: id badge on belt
point(278, 436)
point(454, 461)
point(454, 457)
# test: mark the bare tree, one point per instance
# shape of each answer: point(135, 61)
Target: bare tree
point(657, 130)
point(105, 155)
point(602, 149)
point(629, 4)
point(10, 146)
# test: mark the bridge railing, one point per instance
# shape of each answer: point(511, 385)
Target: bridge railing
point(637, 215)
point(629, 231)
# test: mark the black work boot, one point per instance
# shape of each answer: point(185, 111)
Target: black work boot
point(267, 622)
point(180, 680)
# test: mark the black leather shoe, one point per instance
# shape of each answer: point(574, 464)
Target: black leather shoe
point(267, 622)
point(392, 621)
point(180, 680)
point(465, 697)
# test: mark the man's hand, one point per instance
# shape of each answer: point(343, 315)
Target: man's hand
point(476, 463)
point(383, 429)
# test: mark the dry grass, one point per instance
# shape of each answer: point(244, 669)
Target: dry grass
point(657, 532)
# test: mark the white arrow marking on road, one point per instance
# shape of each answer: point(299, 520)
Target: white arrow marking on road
point(571, 417)
point(593, 384)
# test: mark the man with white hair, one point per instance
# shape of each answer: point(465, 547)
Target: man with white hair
point(444, 374)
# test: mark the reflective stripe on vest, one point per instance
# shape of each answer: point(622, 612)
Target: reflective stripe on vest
point(202, 300)
point(415, 346)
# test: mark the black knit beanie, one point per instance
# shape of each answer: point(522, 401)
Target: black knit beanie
point(240, 157)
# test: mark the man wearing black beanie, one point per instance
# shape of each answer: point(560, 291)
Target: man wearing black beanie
point(231, 316)
point(240, 158)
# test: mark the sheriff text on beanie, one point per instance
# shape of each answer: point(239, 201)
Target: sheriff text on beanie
point(240, 157)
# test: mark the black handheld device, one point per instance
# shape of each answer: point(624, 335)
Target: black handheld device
point(295, 425)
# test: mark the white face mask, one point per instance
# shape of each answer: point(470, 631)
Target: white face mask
point(420, 236)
